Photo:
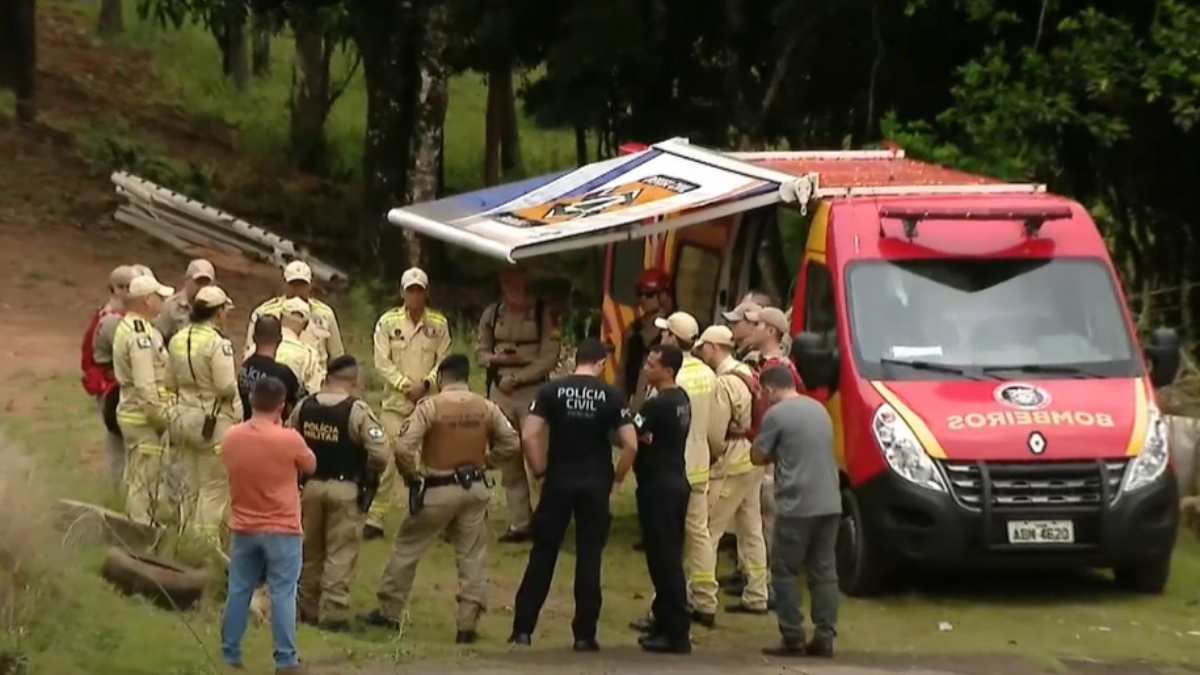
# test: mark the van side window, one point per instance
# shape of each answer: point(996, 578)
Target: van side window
point(819, 314)
point(697, 273)
point(627, 265)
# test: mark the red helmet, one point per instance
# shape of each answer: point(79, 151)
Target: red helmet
point(653, 280)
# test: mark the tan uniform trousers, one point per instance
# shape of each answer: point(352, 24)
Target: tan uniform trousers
point(202, 494)
point(521, 489)
point(736, 501)
point(699, 553)
point(146, 465)
point(391, 490)
point(462, 516)
point(332, 538)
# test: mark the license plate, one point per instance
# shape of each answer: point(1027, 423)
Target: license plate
point(1041, 532)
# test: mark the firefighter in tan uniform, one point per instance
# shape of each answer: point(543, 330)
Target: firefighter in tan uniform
point(322, 332)
point(177, 310)
point(700, 383)
point(735, 483)
point(518, 344)
point(292, 352)
point(140, 365)
point(201, 370)
point(352, 451)
point(450, 440)
point(410, 342)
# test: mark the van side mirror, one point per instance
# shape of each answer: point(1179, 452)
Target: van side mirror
point(1162, 350)
point(817, 360)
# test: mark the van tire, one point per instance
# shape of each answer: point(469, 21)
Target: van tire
point(169, 584)
point(1147, 576)
point(862, 571)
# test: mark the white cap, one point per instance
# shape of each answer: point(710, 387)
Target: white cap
point(212, 296)
point(297, 306)
point(414, 276)
point(142, 270)
point(122, 275)
point(146, 284)
point(681, 324)
point(772, 316)
point(716, 335)
point(297, 270)
point(201, 269)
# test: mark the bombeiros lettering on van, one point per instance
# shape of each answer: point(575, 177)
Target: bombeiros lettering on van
point(1030, 418)
point(582, 398)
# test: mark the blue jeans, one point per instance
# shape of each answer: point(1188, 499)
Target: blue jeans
point(278, 558)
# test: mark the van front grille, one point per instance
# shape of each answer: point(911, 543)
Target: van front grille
point(1035, 485)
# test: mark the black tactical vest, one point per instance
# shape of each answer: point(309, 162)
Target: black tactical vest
point(326, 429)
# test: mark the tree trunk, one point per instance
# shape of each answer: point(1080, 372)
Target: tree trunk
point(235, 61)
point(309, 103)
point(18, 55)
point(430, 114)
point(261, 47)
point(112, 19)
point(510, 142)
point(580, 145)
point(492, 125)
point(382, 34)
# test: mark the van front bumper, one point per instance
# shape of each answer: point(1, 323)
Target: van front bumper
point(929, 528)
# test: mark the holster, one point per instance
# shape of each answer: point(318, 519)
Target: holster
point(466, 476)
point(492, 378)
point(416, 496)
point(368, 487)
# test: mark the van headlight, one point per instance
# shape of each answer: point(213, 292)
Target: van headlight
point(1152, 462)
point(903, 451)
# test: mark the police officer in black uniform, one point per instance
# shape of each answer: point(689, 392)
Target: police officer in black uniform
point(352, 451)
point(581, 413)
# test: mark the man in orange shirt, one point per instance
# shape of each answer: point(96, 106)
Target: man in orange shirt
point(264, 460)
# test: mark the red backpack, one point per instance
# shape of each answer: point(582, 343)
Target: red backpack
point(758, 405)
point(97, 379)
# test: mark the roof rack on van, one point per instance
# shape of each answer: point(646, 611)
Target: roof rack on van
point(1033, 217)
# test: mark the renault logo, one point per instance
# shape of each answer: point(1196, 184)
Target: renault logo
point(1037, 443)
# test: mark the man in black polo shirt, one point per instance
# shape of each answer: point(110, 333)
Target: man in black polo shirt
point(268, 333)
point(581, 412)
point(662, 498)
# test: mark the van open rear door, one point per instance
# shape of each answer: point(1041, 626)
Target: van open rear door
point(619, 199)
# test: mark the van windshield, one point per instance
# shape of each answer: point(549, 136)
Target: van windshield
point(993, 319)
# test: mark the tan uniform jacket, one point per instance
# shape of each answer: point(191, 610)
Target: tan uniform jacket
point(201, 371)
point(535, 358)
point(140, 366)
point(176, 313)
point(302, 360)
point(407, 354)
point(700, 383)
point(365, 429)
point(322, 333)
point(732, 406)
point(504, 444)
point(106, 330)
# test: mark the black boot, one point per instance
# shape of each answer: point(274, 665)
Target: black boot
point(661, 644)
point(521, 639)
point(787, 649)
point(704, 619)
point(821, 647)
point(465, 637)
point(586, 645)
point(377, 618)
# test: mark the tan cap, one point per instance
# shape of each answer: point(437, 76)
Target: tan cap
point(201, 269)
point(772, 316)
point(297, 270)
point(142, 270)
point(122, 275)
point(716, 335)
point(212, 296)
point(414, 276)
point(739, 313)
point(146, 285)
point(681, 324)
point(297, 306)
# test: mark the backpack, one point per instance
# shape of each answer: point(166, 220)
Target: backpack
point(97, 380)
point(758, 403)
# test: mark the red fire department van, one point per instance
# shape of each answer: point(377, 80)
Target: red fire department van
point(991, 404)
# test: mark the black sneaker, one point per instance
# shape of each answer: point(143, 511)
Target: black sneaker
point(820, 647)
point(588, 645)
point(521, 639)
point(644, 624)
point(741, 608)
point(465, 637)
point(371, 532)
point(377, 618)
point(704, 619)
point(661, 644)
point(515, 537)
point(787, 649)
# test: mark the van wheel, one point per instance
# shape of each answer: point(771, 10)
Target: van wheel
point(1144, 576)
point(168, 584)
point(861, 569)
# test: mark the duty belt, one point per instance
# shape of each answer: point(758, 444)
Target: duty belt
point(464, 477)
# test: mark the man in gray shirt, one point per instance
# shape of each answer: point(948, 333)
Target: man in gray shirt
point(797, 437)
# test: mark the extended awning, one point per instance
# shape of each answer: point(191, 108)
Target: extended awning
point(667, 186)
